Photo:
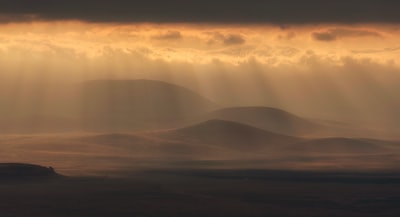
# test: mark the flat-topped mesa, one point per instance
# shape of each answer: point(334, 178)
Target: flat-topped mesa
point(20, 170)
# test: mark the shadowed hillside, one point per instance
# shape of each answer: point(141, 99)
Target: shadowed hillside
point(232, 135)
point(24, 171)
point(266, 118)
point(283, 122)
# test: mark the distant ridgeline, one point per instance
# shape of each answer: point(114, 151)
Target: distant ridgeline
point(24, 171)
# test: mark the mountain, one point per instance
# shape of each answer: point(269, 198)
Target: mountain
point(138, 104)
point(231, 135)
point(266, 118)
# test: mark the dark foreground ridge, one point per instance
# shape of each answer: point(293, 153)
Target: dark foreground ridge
point(25, 171)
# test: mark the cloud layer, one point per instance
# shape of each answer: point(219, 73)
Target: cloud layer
point(354, 76)
point(334, 34)
point(222, 11)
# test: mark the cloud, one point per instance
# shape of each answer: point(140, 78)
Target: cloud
point(234, 39)
point(263, 71)
point(10, 18)
point(334, 34)
point(278, 12)
point(313, 84)
point(170, 35)
point(287, 36)
point(324, 36)
point(372, 51)
point(226, 39)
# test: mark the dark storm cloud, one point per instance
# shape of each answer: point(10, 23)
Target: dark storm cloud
point(333, 34)
point(10, 18)
point(220, 11)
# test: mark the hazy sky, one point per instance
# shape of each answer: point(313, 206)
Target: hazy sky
point(324, 58)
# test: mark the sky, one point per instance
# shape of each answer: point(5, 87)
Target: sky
point(324, 59)
point(223, 11)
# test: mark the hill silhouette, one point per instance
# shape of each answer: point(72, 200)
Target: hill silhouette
point(267, 118)
point(138, 104)
point(231, 134)
point(24, 171)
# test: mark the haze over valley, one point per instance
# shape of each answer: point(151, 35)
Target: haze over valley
point(142, 124)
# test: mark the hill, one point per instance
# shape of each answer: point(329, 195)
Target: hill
point(24, 171)
point(138, 104)
point(266, 118)
point(230, 134)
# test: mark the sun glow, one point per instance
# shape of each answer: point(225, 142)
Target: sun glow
point(203, 44)
point(316, 70)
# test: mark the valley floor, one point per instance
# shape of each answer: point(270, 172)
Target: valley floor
point(206, 193)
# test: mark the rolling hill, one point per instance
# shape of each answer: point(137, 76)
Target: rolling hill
point(231, 135)
point(267, 118)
